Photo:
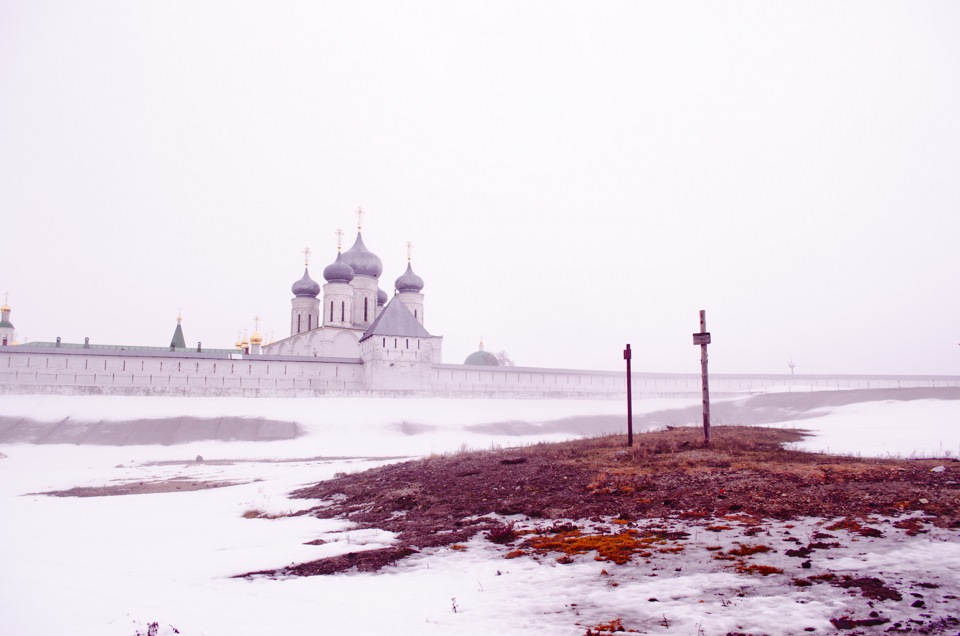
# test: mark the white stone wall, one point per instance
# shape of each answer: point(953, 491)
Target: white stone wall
point(455, 379)
point(304, 314)
point(364, 288)
point(414, 302)
point(184, 373)
point(391, 370)
point(326, 342)
point(341, 296)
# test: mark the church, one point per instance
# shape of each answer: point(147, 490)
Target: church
point(354, 317)
point(346, 335)
point(351, 316)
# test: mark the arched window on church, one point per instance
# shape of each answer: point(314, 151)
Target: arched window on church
point(331, 311)
point(298, 323)
point(343, 311)
point(414, 313)
point(309, 322)
point(365, 319)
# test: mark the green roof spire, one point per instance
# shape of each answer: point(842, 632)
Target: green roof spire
point(178, 342)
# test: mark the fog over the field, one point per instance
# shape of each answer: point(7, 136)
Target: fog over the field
point(574, 176)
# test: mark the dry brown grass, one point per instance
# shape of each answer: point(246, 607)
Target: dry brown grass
point(744, 477)
point(733, 449)
point(618, 548)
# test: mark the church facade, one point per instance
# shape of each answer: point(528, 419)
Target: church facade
point(350, 316)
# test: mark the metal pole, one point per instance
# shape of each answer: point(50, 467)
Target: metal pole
point(627, 355)
point(704, 380)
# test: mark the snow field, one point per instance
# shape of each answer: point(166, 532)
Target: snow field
point(109, 565)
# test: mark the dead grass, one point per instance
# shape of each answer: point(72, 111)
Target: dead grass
point(256, 513)
point(762, 570)
point(733, 449)
point(744, 478)
point(618, 548)
point(747, 550)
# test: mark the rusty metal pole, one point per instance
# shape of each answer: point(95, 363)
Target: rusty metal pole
point(627, 355)
point(703, 339)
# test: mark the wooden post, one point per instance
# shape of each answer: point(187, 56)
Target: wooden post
point(627, 355)
point(703, 339)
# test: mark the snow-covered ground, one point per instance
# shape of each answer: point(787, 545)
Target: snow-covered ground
point(111, 565)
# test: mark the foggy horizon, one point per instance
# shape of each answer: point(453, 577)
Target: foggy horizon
point(573, 177)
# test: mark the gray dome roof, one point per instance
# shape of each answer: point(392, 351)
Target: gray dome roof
point(409, 281)
point(306, 286)
point(482, 358)
point(381, 297)
point(363, 261)
point(338, 271)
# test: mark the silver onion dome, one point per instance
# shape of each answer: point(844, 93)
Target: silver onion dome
point(363, 261)
point(409, 281)
point(306, 286)
point(338, 271)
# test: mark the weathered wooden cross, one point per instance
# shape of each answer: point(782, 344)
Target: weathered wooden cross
point(703, 339)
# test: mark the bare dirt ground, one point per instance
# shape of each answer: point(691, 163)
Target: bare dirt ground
point(140, 488)
point(441, 501)
point(745, 504)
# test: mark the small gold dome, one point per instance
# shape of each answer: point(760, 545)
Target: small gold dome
point(256, 338)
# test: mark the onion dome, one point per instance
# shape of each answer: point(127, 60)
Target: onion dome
point(482, 358)
point(381, 297)
point(306, 287)
point(5, 313)
point(363, 261)
point(338, 271)
point(5, 320)
point(256, 338)
point(408, 281)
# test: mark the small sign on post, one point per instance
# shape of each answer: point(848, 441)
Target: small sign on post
point(703, 339)
point(627, 355)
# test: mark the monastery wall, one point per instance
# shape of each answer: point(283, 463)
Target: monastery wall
point(462, 380)
point(25, 369)
point(126, 372)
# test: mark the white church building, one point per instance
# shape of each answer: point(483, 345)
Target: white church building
point(354, 317)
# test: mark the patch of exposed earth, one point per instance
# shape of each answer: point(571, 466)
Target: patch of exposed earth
point(745, 505)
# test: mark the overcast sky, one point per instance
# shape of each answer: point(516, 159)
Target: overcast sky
point(574, 176)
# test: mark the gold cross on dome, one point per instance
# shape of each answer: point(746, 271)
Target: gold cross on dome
point(359, 214)
point(256, 323)
point(306, 256)
point(339, 234)
point(409, 251)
